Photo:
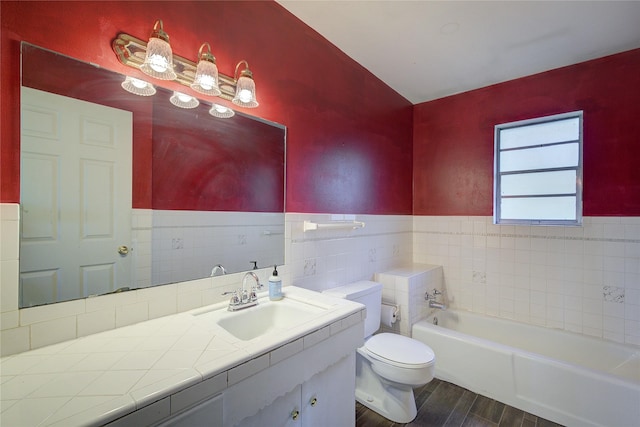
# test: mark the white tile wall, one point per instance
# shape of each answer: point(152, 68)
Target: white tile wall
point(551, 276)
point(581, 279)
point(323, 259)
point(141, 234)
point(35, 327)
point(187, 244)
point(406, 288)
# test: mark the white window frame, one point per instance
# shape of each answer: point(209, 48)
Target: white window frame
point(498, 174)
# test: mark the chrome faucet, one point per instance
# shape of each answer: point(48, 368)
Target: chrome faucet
point(243, 298)
point(216, 268)
point(435, 304)
point(432, 299)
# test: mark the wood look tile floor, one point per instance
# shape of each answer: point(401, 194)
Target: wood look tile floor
point(444, 404)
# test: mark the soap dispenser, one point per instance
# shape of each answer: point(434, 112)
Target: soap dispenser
point(275, 285)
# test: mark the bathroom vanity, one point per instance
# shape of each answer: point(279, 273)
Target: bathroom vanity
point(295, 367)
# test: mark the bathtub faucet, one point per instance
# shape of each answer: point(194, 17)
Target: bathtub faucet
point(434, 304)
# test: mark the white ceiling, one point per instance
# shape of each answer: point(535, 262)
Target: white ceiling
point(426, 50)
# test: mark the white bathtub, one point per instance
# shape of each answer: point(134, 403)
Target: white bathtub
point(567, 378)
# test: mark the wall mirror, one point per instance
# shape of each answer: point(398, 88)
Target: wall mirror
point(120, 191)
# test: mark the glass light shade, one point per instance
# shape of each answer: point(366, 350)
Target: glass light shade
point(138, 87)
point(158, 61)
point(183, 100)
point(245, 88)
point(245, 93)
point(206, 79)
point(221, 111)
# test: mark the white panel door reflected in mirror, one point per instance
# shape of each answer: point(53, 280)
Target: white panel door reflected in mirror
point(75, 198)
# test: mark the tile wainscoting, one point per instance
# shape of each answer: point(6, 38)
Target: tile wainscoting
point(323, 259)
point(581, 279)
point(315, 260)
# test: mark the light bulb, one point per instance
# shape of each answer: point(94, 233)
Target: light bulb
point(183, 100)
point(140, 84)
point(158, 63)
point(183, 97)
point(138, 87)
point(245, 95)
point(206, 82)
point(221, 111)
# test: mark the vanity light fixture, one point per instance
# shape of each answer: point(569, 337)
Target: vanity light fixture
point(206, 79)
point(158, 61)
point(183, 100)
point(245, 87)
point(221, 111)
point(138, 87)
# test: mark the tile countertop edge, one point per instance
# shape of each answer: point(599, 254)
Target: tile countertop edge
point(126, 404)
point(97, 415)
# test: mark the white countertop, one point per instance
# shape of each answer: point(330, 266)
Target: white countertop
point(99, 378)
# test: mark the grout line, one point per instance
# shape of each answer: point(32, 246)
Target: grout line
point(466, 415)
point(502, 415)
point(529, 236)
point(361, 235)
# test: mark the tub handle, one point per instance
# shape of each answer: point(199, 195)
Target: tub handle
point(428, 296)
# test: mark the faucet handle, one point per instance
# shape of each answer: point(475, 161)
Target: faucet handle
point(429, 297)
point(253, 296)
point(235, 300)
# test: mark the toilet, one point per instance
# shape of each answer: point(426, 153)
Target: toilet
point(388, 366)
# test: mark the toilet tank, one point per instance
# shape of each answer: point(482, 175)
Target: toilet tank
point(367, 293)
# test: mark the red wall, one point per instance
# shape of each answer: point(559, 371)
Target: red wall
point(349, 136)
point(453, 136)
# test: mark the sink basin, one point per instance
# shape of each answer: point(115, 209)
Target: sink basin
point(267, 317)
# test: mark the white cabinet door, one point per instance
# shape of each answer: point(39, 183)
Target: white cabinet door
point(205, 414)
point(281, 413)
point(328, 398)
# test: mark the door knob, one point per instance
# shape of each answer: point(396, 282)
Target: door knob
point(123, 250)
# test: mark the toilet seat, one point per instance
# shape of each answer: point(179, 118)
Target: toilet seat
point(400, 351)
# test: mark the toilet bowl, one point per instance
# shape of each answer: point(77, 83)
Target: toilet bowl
point(400, 359)
point(388, 366)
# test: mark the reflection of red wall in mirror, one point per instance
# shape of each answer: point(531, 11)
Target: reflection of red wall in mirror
point(234, 164)
point(187, 158)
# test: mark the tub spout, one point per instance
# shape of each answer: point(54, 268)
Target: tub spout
point(434, 304)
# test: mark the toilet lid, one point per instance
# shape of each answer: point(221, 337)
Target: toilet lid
point(398, 348)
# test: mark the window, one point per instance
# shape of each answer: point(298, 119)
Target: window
point(538, 171)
